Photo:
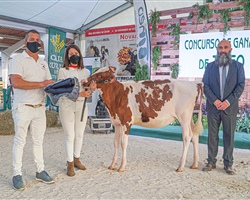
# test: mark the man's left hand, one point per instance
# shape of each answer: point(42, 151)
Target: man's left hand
point(223, 106)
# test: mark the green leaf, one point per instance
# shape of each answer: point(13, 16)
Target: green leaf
point(154, 18)
point(175, 70)
point(141, 73)
point(156, 52)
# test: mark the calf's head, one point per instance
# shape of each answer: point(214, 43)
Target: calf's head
point(101, 76)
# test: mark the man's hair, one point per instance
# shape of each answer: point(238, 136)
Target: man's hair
point(31, 31)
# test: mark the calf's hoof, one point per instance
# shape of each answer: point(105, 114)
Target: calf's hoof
point(111, 168)
point(194, 167)
point(120, 170)
point(179, 170)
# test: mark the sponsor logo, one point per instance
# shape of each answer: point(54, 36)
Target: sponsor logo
point(127, 37)
point(55, 40)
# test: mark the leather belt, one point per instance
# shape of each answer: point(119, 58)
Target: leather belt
point(34, 106)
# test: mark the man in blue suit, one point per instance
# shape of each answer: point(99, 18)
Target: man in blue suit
point(224, 81)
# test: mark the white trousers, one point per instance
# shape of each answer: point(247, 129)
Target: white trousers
point(70, 115)
point(25, 118)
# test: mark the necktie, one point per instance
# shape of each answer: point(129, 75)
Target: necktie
point(223, 82)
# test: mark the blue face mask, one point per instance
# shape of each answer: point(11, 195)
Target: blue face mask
point(33, 46)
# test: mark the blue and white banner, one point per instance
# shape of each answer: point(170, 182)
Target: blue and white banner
point(142, 34)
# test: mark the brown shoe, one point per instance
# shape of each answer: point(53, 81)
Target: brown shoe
point(229, 170)
point(70, 168)
point(78, 164)
point(209, 167)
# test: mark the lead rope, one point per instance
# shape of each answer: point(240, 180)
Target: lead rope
point(85, 100)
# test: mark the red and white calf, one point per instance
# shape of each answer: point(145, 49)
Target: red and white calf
point(150, 104)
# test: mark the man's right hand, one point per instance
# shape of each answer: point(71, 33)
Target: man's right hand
point(46, 82)
point(18, 83)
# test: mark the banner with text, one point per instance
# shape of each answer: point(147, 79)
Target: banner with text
point(196, 50)
point(115, 46)
point(142, 34)
point(57, 41)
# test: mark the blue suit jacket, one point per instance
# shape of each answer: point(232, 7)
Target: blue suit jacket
point(235, 83)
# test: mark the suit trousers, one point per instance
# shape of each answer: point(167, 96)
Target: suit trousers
point(26, 117)
point(70, 115)
point(229, 125)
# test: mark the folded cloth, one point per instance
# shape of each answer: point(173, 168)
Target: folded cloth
point(62, 86)
point(68, 88)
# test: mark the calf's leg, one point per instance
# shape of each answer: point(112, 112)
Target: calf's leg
point(124, 144)
point(195, 141)
point(186, 137)
point(116, 143)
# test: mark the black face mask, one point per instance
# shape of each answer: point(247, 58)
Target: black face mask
point(33, 46)
point(74, 59)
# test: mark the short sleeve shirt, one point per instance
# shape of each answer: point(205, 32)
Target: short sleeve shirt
point(32, 71)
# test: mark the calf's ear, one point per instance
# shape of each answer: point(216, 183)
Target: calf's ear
point(112, 69)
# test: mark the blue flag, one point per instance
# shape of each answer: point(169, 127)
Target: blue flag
point(142, 34)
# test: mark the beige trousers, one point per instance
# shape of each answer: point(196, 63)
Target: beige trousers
point(70, 115)
point(26, 117)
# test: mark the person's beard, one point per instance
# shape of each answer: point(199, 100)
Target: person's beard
point(223, 59)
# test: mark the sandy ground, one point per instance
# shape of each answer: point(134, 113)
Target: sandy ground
point(150, 172)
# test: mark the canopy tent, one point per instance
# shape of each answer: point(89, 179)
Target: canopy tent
point(69, 15)
point(18, 16)
point(74, 16)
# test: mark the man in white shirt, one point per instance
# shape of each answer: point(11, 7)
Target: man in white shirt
point(29, 74)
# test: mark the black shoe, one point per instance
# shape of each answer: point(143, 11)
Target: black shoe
point(209, 167)
point(229, 170)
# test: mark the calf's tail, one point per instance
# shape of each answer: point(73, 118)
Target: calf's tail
point(197, 128)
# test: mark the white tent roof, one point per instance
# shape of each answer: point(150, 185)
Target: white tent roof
point(71, 15)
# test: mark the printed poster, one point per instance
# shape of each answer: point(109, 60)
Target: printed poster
point(115, 46)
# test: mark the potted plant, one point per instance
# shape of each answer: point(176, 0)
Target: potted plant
point(175, 70)
point(154, 18)
point(203, 12)
point(225, 17)
point(246, 7)
point(176, 31)
point(156, 52)
point(141, 73)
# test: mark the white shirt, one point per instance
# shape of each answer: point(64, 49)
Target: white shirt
point(32, 71)
point(80, 74)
